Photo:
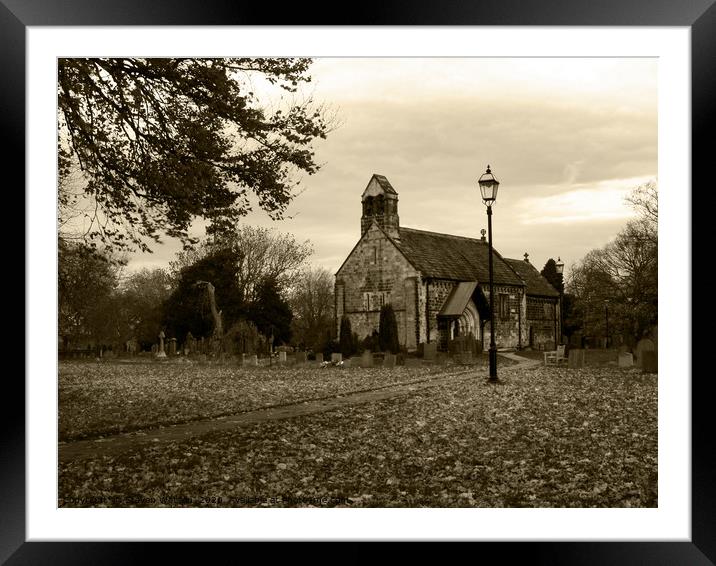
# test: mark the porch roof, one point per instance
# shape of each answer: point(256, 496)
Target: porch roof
point(458, 299)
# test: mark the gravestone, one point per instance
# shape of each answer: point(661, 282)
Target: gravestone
point(172, 346)
point(189, 344)
point(347, 363)
point(335, 358)
point(155, 348)
point(649, 362)
point(251, 360)
point(319, 358)
point(644, 345)
point(389, 361)
point(366, 359)
point(626, 360)
point(160, 352)
point(576, 359)
point(430, 350)
point(300, 357)
point(282, 357)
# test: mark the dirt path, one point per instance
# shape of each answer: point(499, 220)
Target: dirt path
point(113, 445)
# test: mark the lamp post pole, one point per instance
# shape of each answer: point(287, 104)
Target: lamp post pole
point(488, 189)
point(493, 348)
point(606, 315)
point(560, 271)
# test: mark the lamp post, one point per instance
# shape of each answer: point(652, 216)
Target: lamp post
point(488, 189)
point(560, 271)
point(606, 316)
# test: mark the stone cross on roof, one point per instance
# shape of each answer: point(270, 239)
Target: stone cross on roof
point(527, 257)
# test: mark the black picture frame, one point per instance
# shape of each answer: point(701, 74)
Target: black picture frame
point(699, 15)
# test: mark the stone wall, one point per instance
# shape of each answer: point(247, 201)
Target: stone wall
point(540, 321)
point(374, 274)
point(437, 291)
point(508, 323)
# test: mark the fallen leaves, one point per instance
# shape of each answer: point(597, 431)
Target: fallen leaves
point(586, 438)
point(102, 399)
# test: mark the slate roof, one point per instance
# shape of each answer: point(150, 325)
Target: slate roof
point(458, 299)
point(384, 183)
point(444, 256)
point(536, 283)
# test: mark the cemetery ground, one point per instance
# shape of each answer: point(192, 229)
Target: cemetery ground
point(543, 437)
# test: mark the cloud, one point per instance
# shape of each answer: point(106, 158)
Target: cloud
point(592, 203)
point(565, 137)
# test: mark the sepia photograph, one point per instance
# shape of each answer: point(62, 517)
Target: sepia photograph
point(357, 282)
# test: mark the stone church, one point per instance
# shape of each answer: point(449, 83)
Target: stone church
point(438, 284)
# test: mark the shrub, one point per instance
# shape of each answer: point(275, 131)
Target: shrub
point(388, 330)
point(242, 338)
point(346, 337)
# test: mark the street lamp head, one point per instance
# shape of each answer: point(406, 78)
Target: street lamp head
point(560, 266)
point(488, 187)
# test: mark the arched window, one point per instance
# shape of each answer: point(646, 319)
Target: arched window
point(379, 205)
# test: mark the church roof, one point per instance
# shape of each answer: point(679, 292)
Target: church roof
point(444, 256)
point(458, 299)
point(536, 282)
point(384, 183)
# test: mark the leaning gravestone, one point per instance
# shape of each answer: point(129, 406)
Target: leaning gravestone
point(366, 359)
point(644, 345)
point(335, 358)
point(389, 361)
point(626, 360)
point(319, 358)
point(430, 350)
point(576, 359)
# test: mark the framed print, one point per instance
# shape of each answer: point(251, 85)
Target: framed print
point(623, 75)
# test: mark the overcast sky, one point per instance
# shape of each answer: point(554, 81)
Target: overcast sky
point(566, 137)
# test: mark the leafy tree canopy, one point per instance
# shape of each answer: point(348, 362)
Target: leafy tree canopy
point(549, 272)
point(271, 313)
point(259, 254)
point(188, 310)
point(142, 295)
point(160, 142)
point(87, 281)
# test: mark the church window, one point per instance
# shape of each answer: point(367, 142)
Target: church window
point(504, 306)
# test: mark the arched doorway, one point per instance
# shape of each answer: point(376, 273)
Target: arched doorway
point(467, 324)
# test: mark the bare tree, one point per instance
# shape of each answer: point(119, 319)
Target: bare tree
point(262, 255)
point(311, 301)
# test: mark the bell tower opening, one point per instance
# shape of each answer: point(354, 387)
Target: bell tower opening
point(380, 204)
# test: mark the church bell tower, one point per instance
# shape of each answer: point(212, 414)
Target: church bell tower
point(380, 203)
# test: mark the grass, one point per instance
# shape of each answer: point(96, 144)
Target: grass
point(545, 437)
point(97, 399)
